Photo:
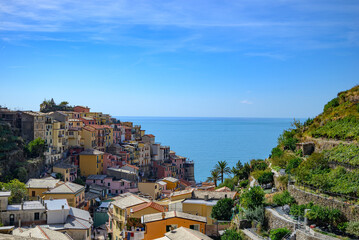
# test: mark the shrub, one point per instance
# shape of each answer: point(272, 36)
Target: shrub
point(223, 209)
point(292, 164)
point(244, 183)
point(283, 198)
point(228, 182)
point(35, 148)
point(252, 198)
point(287, 140)
point(256, 214)
point(258, 164)
point(266, 177)
point(279, 233)
point(331, 104)
point(231, 234)
point(353, 228)
point(276, 152)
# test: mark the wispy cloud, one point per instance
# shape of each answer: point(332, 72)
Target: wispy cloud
point(246, 102)
point(223, 26)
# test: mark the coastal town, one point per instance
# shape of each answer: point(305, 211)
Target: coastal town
point(104, 179)
point(70, 173)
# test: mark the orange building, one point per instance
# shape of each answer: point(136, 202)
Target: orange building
point(157, 224)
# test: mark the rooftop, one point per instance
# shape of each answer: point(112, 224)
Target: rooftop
point(91, 152)
point(153, 205)
point(39, 232)
point(27, 205)
point(201, 202)
point(126, 200)
point(56, 204)
point(178, 193)
point(96, 177)
point(5, 194)
point(67, 187)
point(173, 214)
point(183, 233)
point(199, 194)
point(42, 183)
point(171, 179)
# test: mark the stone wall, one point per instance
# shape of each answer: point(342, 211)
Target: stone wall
point(302, 235)
point(275, 220)
point(350, 211)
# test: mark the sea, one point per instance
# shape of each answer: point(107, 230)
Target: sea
point(209, 140)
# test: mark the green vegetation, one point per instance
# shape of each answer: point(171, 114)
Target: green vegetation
point(256, 214)
point(244, 183)
point(222, 168)
point(35, 148)
point(228, 182)
point(17, 188)
point(51, 106)
point(214, 177)
point(223, 209)
point(353, 228)
point(343, 153)
point(266, 177)
point(341, 129)
point(279, 233)
point(288, 139)
point(253, 198)
point(231, 234)
point(258, 164)
point(283, 198)
point(8, 141)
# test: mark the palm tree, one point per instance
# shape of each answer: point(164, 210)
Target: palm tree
point(222, 168)
point(214, 177)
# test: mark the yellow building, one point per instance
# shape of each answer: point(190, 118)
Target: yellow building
point(172, 183)
point(181, 195)
point(199, 207)
point(88, 137)
point(121, 209)
point(37, 186)
point(68, 171)
point(91, 162)
point(159, 223)
point(74, 193)
point(152, 189)
point(146, 208)
point(59, 136)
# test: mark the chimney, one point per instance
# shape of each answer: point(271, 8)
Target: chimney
point(163, 215)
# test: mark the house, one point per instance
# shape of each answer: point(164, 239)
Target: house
point(157, 224)
point(81, 109)
point(91, 162)
point(152, 189)
point(32, 125)
point(88, 137)
point(119, 211)
point(114, 186)
point(181, 195)
point(183, 233)
point(40, 232)
point(130, 168)
point(68, 171)
point(23, 214)
point(74, 193)
point(37, 186)
point(100, 214)
point(172, 183)
point(57, 210)
point(118, 174)
point(201, 203)
point(146, 208)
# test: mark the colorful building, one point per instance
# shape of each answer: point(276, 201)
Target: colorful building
point(74, 193)
point(88, 137)
point(157, 224)
point(68, 171)
point(91, 162)
point(37, 186)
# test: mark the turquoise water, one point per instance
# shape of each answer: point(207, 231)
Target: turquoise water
point(209, 140)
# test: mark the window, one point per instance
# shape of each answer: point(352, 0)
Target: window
point(194, 227)
point(36, 216)
point(108, 184)
point(101, 181)
point(33, 193)
point(94, 181)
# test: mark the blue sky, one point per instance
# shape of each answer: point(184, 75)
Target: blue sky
point(241, 58)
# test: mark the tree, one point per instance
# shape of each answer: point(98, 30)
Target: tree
point(214, 177)
point(80, 181)
point(266, 177)
point(35, 148)
point(253, 198)
point(64, 103)
point(17, 188)
point(223, 209)
point(231, 234)
point(278, 234)
point(222, 167)
point(22, 174)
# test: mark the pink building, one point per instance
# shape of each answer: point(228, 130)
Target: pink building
point(117, 133)
point(111, 161)
point(178, 161)
point(163, 170)
point(115, 187)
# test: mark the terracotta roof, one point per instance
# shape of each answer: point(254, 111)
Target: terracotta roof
point(153, 205)
point(150, 135)
point(89, 128)
point(131, 166)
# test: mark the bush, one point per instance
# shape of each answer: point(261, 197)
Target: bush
point(266, 177)
point(292, 164)
point(223, 209)
point(256, 214)
point(279, 233)
point(287, 140)
point(17, 188)
point(244, 183)
point(331, 104)
point(276, 152)
point(258, 164)
point(353, 228)
point(228, 182)
point(231, 234)
point(35, 148)
point(253, 198)
point(283, 198)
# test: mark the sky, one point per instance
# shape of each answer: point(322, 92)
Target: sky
point(188, 58)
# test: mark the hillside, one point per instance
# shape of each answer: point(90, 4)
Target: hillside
point(339, 120)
